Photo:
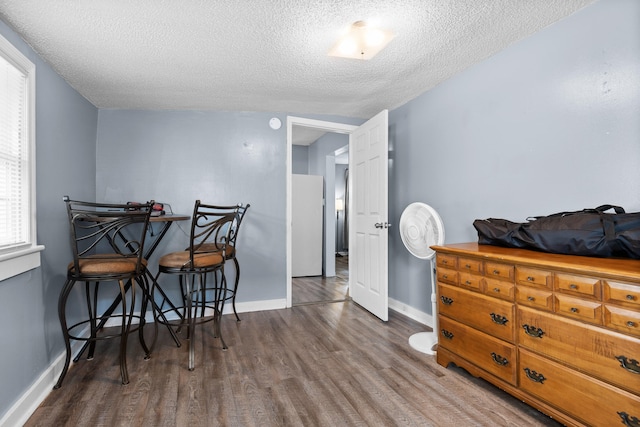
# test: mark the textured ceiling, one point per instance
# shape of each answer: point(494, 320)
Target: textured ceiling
point(248, 55)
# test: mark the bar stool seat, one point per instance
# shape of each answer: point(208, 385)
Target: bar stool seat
point(177, 260)
point(104, 264)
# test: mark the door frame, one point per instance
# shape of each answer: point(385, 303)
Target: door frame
point(316, 124)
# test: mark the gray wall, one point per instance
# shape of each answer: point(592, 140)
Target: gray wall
point(549, 124)
point(300, 160)
point(65, 157)
point(177, 157)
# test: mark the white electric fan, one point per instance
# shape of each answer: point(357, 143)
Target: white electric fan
point(420, 228)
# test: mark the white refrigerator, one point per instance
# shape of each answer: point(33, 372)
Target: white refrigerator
point(307, 215)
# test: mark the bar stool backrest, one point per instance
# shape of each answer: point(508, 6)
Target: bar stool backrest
point(211, 229)
point(107, 232)
point(242, 209)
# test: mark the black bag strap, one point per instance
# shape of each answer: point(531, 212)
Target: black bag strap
point(600, 209)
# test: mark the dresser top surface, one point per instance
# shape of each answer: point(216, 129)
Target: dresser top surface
point(622, 268)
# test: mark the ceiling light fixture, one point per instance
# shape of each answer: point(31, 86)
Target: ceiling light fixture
point(361, 42)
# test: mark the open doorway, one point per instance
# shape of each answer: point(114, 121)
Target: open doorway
point(368, 210)
point(333, 284)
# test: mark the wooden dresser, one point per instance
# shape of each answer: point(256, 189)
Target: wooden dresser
point(559, 332)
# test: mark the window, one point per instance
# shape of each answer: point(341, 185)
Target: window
point(18, 249)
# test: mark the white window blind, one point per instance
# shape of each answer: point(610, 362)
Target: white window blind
point(19, 251)
point(14, 158)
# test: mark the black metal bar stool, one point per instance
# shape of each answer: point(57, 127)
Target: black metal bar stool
point(211, 230)
point(231, 249)
point(107, 243)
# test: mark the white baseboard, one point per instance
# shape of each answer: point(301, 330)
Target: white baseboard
point(26, 405)
point(417, 315)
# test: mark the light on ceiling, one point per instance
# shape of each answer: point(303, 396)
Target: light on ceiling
point(361, 42)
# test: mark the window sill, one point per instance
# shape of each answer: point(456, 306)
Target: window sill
point(18, 262)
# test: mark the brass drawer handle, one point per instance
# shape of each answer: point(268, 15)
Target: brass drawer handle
point(502, 361)
point(573, 286)
point(446, 300)
point(496, 272)
point(467, 266)
point(468, 282)
point(444, 276)
point(496, 290)
point(631, 298)
point(500, 320)
point(530, 298)
point(533, 331)
point(630, 365)
point(631, 323)
point(531, 279)
point(534, 376)
point(448, 335)
point(574, 310)
point(629, 420)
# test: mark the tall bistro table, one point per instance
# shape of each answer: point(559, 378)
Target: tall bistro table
point(166, 221)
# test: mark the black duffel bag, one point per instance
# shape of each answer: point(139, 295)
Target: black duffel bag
point(589, 232)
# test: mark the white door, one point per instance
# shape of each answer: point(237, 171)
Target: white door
point(306, 226)
point(368, 236)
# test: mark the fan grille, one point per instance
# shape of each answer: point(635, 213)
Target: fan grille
point(420, 228)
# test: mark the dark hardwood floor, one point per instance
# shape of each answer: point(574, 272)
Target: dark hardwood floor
point(311, 365)
point(312, 290)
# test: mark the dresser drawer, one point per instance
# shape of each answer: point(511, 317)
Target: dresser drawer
point(499, 288)
point(577, 308)
point(590, 349)
point(447, 261)
point(492, 316)
point(535, 297)
point(488, 353)
point(622, 320)
point(534, 277)
point(624, 293)
point(446, 275)
point(593, 402)
point(498, 270)
point(470, 281)
point(471, 265)
point(583, 286)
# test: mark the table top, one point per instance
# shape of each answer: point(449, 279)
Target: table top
point(169, 218)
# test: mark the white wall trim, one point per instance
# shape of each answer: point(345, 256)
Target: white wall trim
point(417, 315)
point(19, 262)
point(311, 123)
point(27, 404)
